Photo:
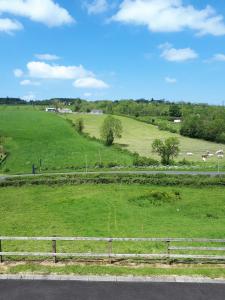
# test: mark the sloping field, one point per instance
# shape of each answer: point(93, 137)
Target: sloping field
point(138, 137)
point(31, 135)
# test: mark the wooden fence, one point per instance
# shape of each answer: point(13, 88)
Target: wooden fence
point(168, 244)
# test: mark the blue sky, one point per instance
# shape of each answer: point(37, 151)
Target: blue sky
point(113, 49)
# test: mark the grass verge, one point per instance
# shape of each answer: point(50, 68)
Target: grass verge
point(216, 271)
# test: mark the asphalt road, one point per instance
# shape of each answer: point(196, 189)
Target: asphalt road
point(76, 290)
point(194, 173)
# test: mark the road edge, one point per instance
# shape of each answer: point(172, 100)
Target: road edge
point(91, 278)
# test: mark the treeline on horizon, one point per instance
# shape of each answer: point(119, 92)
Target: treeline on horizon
point(202, 121)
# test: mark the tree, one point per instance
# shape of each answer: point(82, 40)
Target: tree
point(79, 125)
point(175, 111)
point(166, 150)
point(111, 129)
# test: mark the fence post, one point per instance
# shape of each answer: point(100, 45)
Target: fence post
point(54, 251)
point(168, 252)
point(110, 251)
point(1, 258)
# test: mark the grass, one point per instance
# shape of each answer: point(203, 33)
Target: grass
point(31, 135)
point(111, 210)
point(217, 271)
point(138, 136)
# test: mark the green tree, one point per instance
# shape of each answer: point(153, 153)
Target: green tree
point(175, 111)
point(167, 150)
point(79, 125)
point(111, 129)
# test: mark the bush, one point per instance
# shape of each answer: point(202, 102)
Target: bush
point(184, 162)
point(140, 161)
point(156, 198)
point(79, 125)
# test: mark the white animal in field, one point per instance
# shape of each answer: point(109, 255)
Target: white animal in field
point(210, 155)
point(220, 152)
point(189, 153)
point(220, 156)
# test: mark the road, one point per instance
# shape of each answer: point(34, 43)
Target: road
point(78, 290)
point(194, 173)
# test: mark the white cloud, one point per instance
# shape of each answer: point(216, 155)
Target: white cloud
point(47, 57)
point(177, 55)
point(29, 82)
point(83, 78)
point(18, 73)
point(43, 70)
point(170, 80)
point(90, 82)
point(47, 12)
point(170, 16)
point(9, 26)
point(219, 57)
point(96, 6)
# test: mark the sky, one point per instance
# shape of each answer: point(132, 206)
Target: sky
point(113, 49)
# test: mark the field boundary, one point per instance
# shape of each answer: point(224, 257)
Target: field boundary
point(168, 255)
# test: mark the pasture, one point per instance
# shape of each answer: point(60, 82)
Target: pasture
point(31, 136)
point(112, 210)
point(138, 136)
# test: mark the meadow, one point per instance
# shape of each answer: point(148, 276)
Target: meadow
point(138, 136)
point(115, 210)
point(35, 137)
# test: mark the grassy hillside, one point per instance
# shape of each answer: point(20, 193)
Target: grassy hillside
point(31, 135)
point(138, 137)
point(112, 210)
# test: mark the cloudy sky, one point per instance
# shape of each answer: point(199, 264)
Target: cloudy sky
point(113, 49)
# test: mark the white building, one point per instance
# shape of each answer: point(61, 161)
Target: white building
point(177, 121)
point(96, 112)
point(65, 111)
point(50, 109)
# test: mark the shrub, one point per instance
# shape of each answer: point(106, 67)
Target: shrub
point(156, 198)
point(79, 125)
point(140, 161)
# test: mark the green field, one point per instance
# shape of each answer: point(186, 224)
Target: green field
point(138, 137)
point(31, 135)
point(111, 210)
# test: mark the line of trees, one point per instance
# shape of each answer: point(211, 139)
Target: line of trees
point(209, 127)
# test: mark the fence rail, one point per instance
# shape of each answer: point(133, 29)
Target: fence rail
point(167, 255)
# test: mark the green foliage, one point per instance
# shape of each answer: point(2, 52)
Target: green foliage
point(140, 161)
point(111, 129)
point(167, 150)
point(175, 111)
point(209, 127)
point(79, 125)
point(141, 179)
point(156, 198)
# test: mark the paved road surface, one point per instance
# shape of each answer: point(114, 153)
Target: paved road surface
point(2, 177)
point(76, 290)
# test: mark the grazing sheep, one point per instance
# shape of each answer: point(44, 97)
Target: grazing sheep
point(189, 153)
point(220, 156)
point(220, 152)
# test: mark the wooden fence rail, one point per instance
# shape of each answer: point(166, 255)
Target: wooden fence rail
point(168, 255)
